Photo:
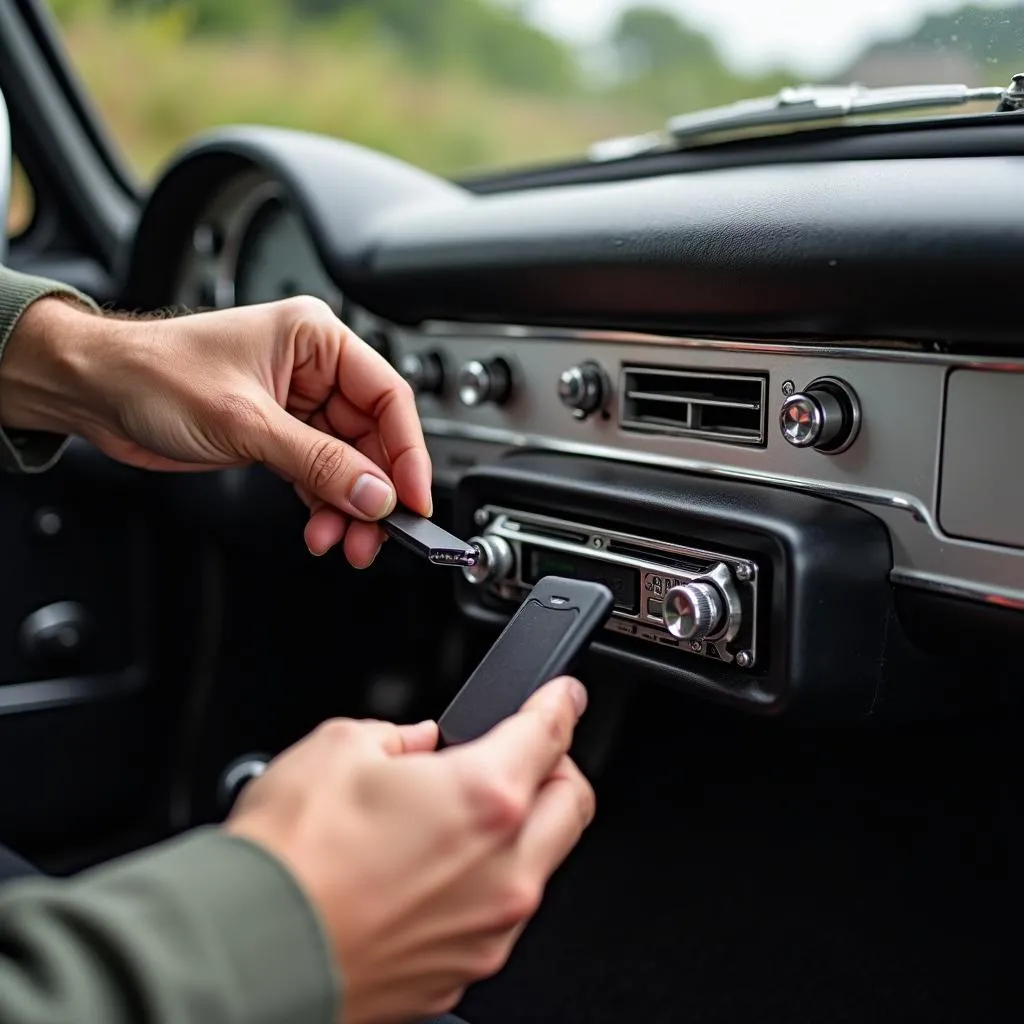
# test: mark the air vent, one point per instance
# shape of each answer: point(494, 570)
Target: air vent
point(716, 406)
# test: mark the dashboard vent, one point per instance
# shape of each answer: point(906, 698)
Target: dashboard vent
point(715, 406)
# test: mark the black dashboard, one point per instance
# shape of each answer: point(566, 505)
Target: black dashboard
point(810, 373)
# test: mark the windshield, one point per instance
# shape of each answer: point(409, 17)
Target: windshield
point(461, 86)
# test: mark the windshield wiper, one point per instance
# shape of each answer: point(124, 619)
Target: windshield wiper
point(798, 105)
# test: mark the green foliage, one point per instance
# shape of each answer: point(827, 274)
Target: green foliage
point(450, 85)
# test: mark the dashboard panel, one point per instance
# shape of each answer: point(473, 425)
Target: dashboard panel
point(767, 328)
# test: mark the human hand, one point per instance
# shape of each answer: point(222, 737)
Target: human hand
point(285, 384)
point(424, 866)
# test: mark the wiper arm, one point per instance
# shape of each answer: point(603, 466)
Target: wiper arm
point(823, 103)
point(804, 104)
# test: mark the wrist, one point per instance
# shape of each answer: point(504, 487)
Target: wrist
point(50, 367)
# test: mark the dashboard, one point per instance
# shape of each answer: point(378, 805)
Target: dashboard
point(836, 333)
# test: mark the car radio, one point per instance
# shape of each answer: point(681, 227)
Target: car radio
point(699, 602)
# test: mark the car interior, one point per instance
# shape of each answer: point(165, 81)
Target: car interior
point(769, 391)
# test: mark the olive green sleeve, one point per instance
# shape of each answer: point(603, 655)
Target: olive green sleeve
point(206, 929)
point(28, 451)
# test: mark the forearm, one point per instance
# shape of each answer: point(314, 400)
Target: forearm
point(209, 928)
point(45, 329)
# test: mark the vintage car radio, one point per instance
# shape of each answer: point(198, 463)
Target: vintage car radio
point(674, 595)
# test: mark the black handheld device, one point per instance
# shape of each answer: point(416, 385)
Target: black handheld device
point(552, 627)
point(427, 539)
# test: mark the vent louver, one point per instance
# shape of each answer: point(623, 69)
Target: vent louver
point(726, 407)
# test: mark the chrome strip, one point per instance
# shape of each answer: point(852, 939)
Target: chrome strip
point(6, 175)
point(54, 693)
point(903, 503)
point(958, 588)
point(511, 439)
point(862, 350)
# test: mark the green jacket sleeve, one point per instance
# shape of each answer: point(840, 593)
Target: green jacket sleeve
point(206, 929)
point(27, 451)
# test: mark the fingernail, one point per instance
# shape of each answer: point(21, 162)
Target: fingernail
point(578, 696)
point(371, 496)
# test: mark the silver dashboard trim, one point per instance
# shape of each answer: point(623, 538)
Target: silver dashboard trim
point(512, 439)
point(1005, 597)
point(862, 351)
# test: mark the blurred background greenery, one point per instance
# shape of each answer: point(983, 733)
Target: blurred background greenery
point(456, 86)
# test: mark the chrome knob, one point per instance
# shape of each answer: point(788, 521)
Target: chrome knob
point(826, 417)
point(693, 610)
point(481, 382)
point(494, 560)
point(424, 373)
point(237, 775)
point(583, 388)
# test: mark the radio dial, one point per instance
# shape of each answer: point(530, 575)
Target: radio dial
point(693, 611)
point(481, 382)
point(495, 560)
point(583, 389)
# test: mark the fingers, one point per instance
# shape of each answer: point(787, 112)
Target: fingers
point(325, 466)
point(376, 390)
point(563, 810)
point(382, 737)
point(525, 749)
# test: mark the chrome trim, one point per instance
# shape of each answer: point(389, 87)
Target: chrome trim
point(6, 175)
point(47, 694)
point(958, 588)
point(511, 439)
point(896, 351)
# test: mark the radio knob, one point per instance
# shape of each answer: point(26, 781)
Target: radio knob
point(494, 560)
point(481, 382)
point(826, 417)
point(425, 373)
point(693, 611)
point(583, 388)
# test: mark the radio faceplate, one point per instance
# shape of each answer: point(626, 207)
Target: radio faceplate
point(696, 601)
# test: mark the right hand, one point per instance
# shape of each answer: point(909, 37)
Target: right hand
point(424, 865)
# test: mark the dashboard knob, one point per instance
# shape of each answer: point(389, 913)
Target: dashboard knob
point(425, 373)
point(237, 775)
point(481, 382)
point(825, 416)
point(693, 610)
point(583, 388)
point(494, 561)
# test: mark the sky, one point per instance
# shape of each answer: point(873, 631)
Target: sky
point(814, 37)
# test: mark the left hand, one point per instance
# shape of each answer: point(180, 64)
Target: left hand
point(285, 384)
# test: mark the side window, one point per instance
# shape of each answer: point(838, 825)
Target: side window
point(23, 207)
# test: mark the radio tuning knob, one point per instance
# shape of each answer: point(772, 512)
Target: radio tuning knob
point(825, 416)
point(583, 388)
point(481, 382)
point(494, 560)
point(424, 373)
point(693, 611)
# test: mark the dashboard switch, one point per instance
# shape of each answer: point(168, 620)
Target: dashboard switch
point(693, 611)
point(425, 373)
point(482, 382)
point(583, 389)
point(824, 416)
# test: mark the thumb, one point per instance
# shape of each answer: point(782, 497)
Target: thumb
point(335, 472)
